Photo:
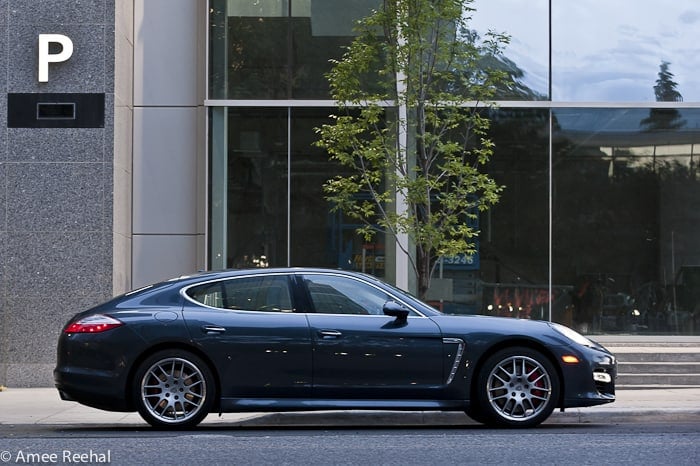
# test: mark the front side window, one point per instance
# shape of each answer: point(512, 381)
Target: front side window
point(263, 293)
point(342, 295)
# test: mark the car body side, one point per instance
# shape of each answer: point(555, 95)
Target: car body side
point(94, 371)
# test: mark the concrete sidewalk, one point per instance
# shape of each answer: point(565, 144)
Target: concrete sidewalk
point(21, 406)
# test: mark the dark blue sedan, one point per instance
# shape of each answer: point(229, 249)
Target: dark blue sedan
point(269, 340)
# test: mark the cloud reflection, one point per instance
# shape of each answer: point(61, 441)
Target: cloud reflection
point(602, 51)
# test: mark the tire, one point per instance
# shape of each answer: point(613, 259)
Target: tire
point(173, 389)
point(476, 414)
point(516, 387)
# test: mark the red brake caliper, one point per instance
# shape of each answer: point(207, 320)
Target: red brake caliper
point(539, 383)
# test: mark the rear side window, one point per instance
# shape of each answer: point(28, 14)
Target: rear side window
point(260, 293)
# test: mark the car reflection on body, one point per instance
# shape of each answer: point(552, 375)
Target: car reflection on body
point(269, 340)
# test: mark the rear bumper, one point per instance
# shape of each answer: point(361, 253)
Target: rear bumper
point(92, 370)
point(98, 390)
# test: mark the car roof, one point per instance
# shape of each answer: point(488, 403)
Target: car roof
point(215, 274)
point(203, 276)
point(184, 281)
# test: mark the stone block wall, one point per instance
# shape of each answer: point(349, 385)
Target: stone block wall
point(56, 185)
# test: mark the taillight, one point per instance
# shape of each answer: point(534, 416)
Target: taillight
point(93, 324)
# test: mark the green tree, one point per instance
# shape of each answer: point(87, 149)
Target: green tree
point(408, 128)
point(665, 90)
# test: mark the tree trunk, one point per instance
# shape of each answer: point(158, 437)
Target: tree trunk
point(423, 263)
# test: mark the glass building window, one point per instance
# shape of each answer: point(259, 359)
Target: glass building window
point(625, 220)
point(334, 241)
point(605, 51)
point(513, 242)
point(526, 57)
point(278, 49)
point(266, 195)
point(596, 226)
point(601, 51)
point(256, 188)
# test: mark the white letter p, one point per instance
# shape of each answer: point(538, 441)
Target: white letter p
point(45, 57)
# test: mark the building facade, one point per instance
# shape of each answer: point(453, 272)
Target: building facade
point(144, 139)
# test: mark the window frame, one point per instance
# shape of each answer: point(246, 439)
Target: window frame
point(187, 292)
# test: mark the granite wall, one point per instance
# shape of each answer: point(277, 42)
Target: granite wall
point(56, 185)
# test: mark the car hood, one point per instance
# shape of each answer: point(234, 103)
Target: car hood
point(476, 327)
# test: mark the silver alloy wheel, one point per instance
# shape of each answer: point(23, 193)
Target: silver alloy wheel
point(519, 388)
point(173, 390)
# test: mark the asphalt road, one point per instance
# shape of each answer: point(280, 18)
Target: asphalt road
point(579, 444)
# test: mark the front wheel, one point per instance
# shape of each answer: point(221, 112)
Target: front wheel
point(173, 389)
point(517, 387)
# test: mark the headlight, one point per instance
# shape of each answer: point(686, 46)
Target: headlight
point(572, 335)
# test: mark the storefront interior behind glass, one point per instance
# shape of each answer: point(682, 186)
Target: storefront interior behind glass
point(597, 226)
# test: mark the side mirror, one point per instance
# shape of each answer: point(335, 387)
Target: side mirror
point(394, 309)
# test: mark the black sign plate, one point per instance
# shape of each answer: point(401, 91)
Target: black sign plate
point(55, 110)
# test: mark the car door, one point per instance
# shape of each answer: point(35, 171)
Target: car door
point(248, 326)
point(358, 352)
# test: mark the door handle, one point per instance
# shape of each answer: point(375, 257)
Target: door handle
point(328, 334)
point(213, 329)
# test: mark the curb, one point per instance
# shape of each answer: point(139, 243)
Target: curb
point(385, 419)
point(456, 419)
point(42, 406)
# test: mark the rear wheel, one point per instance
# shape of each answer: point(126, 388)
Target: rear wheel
point(173, 389)
point(517, 387)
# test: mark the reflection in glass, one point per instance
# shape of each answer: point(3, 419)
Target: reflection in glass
point(510, 271)
point(526, 58)
point(626, 199)
point(257, 188)
point(255, 40)
point(625, 221)
point(266, 212)
point(321, 237)
point(341, 295)
point(319, 37)
point(278, 49)
point(610, 51)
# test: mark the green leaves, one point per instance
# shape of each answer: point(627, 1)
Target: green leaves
point(410, 125)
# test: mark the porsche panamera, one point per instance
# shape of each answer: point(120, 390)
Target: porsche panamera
point(301, 339)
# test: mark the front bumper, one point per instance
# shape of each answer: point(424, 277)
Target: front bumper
point(592, 381)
